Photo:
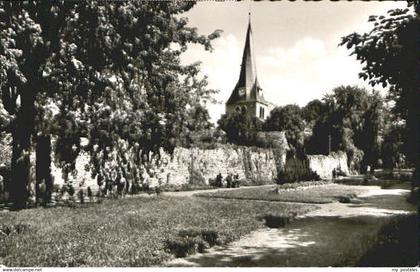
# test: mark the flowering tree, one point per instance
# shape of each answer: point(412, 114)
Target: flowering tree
point(105, 71)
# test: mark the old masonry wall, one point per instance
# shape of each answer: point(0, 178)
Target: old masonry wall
point(249, 163)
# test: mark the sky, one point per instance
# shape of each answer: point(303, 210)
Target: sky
point(295, 46)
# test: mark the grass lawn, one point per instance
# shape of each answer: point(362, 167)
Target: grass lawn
point(317, 194)
point(326, 241)
point(128, 232)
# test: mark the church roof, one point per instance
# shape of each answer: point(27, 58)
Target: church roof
point(247, 88)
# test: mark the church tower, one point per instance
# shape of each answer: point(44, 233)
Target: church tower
point(247, 96)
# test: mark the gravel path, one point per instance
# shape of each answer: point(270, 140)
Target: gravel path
point(303, 241)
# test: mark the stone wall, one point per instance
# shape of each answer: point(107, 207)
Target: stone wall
point(323, 165)
point(275, 140)
point(83, 175)
point(249, 163)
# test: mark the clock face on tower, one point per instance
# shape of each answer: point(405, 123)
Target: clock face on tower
point(241, 91)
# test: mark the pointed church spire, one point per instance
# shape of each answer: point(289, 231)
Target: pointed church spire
point(247, 96)
point(247, 86)
point(248, 74)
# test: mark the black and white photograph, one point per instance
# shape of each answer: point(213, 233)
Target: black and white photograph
point(185, 134)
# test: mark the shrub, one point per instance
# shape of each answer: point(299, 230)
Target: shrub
point(240, 128)
point(184, 246)
point(275, 221)
point(218, 182)
point(135, 187)
point(346, 198)
point(196, 178)
point(296, 170)
point(190, 241)
point(208, 235)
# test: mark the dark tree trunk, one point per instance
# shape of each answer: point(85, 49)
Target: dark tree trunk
point(413, 134)
point(20, 174)
point(21, 133)
point(44, 182)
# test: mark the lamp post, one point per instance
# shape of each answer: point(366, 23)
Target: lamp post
point(329, 144)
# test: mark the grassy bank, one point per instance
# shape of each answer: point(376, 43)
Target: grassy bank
point(128, 232)
point(397, 244)
point(317, 194)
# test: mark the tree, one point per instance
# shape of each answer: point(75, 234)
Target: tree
point(199, 119)
point(110, 70)
point(367, 139)
point(198, 126)
point(352, 120)
point(313, 111)
point(392, 149)
point(389, 54)
point(288, 119)
point(240, 128)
